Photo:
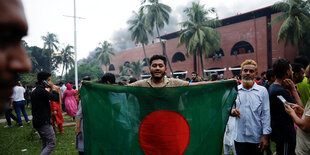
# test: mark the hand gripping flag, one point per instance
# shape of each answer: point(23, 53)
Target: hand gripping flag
point(172, 121)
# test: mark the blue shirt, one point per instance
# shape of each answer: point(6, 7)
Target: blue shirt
point(254, 121)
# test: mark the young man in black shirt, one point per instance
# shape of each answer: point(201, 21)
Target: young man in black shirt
point(41, 111)
point(283, 132)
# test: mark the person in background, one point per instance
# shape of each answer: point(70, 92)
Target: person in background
point(194, 78)
point(62, 89)
point(79, 124)
point(57, 118)
point(303, 87)
point(263, 79)
point(9, 115)
point(70, 101)
point(229, 136)
point(76, 95)
point(283, 132)
point(19, 103)
point(270, 78)
point(303, 123)
point(298, 73)
point(41, 111)
point(132, 80)
point(13, 58)
point(214, 77)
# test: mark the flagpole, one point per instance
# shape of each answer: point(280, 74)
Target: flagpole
point(75, 49)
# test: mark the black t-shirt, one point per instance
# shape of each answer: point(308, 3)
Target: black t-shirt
point(41, 109)
point(281, 123)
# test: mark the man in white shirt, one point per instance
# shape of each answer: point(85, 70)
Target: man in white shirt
point(19, 103)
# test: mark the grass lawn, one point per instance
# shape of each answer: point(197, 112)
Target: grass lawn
point(14, 139)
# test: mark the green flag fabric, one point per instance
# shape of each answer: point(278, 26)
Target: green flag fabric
point(137, 120)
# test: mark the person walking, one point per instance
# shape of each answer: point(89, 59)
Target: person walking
point(9, 115)
point(69, 99)
point(19, 103)
point(57, 117)
point(41, 111)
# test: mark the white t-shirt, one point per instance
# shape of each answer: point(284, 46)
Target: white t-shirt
point(302, 137)
point(18, 93)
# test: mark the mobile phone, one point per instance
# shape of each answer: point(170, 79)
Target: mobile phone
point(45, 83)
point(282, 99)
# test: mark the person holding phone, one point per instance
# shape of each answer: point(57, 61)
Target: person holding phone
point(41, 111)
point(303, 123)
point(283, 132)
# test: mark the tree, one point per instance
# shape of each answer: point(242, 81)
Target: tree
point(296, 21)
point(67, 58)
point(199, 35)
point(104, 53)
point(50, 45)
point(157, 15)
point(135, 68)
point(139, 30)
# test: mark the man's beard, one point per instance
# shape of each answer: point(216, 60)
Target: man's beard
point(247, 83)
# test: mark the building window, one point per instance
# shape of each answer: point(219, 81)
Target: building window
point(242, 47)
point(178, 57)
point(179, 74)
point(126, 63)
point(216, 55)
point(111, 67)
point(146, 61)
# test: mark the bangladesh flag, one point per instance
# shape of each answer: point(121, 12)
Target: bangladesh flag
point(137, 120)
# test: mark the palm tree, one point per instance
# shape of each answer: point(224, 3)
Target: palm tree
point(157, 15)
point(139, 31)
point(135, 68)
point(199, 35)
point(296, 21)
point(67, 58)
point(104, 53)
point(50, 45)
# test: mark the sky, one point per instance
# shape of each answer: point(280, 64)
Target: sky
point(107, 19)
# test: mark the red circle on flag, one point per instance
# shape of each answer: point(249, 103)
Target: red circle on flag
point(164, 132)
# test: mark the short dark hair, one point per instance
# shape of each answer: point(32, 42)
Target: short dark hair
point(269, 74)
point(303, 60)
point(108, 77)
point(194, 73)
point(86, 78)
point(263, 73)
point(297, 67)
point(156, 57)
point(280, 67)
point(132, 80)
point(43, 76)
point(60, 83)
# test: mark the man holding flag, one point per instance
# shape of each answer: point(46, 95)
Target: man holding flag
point(156, 120)
point(158, 79)
point(253, 112)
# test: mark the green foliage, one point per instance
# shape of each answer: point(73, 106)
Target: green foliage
point(199, 35)
point(67, 58)
point(296, 21)
point(51, 46)
point(91, 69)
point(139, 30)
point(104, 52)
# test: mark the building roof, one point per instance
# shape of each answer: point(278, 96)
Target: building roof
point(266, 11)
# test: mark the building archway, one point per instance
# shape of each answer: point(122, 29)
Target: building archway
point(217, 54)
point(178, 57)
point(111, 67)
point(242, 47)
point(126, 63)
